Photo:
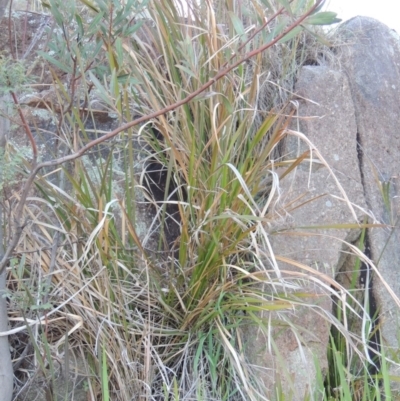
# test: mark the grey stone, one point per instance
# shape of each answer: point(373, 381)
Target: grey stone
point(371, 59)
point(338, 108)
point(312, 197)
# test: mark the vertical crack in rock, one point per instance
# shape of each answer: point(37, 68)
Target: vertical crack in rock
point(371, 311)
point(360, 156)
point(357, 277)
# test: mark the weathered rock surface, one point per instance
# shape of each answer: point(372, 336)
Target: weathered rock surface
point(371, 59)
point(326, 116)
point(351, 115)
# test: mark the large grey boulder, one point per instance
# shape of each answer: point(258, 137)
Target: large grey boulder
point(371, 60)
point(313, 196)
point(350, 113)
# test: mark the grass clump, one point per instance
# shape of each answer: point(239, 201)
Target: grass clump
point(155, 308)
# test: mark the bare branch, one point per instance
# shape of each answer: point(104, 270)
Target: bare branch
point(26, 127)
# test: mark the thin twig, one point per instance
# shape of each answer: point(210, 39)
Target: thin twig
point(27, 129)
point(10, 41)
